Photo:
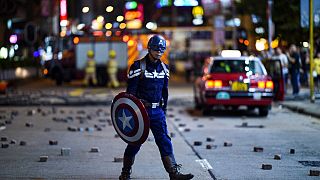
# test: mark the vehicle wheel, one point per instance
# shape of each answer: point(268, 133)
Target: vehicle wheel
point(263, 111)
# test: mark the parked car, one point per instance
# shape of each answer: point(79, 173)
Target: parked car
point(232, 80)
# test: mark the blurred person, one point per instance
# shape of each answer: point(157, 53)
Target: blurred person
point(148, 80)
point(284, 63)
point(305, 67)
point(90, 69)
point(56, 69)
point(294, 61)
point(316, 70)
point(112, 70)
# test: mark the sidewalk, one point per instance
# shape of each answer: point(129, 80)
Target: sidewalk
point(301, 103)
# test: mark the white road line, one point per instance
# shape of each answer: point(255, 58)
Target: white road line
point(2, 128)
point(204, 163)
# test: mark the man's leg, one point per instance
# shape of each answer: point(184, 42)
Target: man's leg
point(128, 160)
point(159, 129)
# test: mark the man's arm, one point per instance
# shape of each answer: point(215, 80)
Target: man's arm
point(133, 78)
point(165, 93)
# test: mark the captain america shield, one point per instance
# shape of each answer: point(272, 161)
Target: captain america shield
point(130, 118)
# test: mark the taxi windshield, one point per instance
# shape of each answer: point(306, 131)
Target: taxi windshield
point(236, 66)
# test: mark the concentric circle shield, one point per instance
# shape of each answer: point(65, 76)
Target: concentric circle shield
point(130, 118)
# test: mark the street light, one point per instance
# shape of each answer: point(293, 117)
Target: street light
point(85, 9)
point(109, 9)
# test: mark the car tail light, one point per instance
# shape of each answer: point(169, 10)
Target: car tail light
point(213, 84)
point(269, 84)
point(261, 84)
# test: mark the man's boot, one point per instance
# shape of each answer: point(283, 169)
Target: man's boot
point(173, 168)
point(126, 169)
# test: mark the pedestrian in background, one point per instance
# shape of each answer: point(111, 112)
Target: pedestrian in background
point(284, 63)
point(294, 61)
point(316, 71)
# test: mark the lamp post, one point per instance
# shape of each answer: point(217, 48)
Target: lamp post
point(312, 97)
point(269, 12)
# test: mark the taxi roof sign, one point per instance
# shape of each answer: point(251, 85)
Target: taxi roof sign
point(230, 53)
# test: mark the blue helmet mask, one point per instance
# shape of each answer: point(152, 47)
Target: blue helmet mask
point(157, 43)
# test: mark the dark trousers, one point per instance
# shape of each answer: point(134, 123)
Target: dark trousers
point(295, 74)
point(159, 130)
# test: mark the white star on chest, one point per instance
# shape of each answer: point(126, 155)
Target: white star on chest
point(125, 120)
point(155, 74)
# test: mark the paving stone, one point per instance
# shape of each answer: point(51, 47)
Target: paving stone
point(73, 129)
point(95, 149)
point(13, 141)
point(4, 145)
point(182, 125)
point(53, 142)
point(258, 149)
point(292, 151)
point(227, 144)
point(244, 124)
point(266, 166)
point(29, 124)
point(8, 122)
point(209, 139)
point(314, 173)
point(102, 120)
point(43, 158)
point(200, 125)
point(4, 138)
point(197, 143)
point(90, 129)
point(116, 159)
point(65, 151)
point(277, 157)
point(23, 143)
point(172, 135)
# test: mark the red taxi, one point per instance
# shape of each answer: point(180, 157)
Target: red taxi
point(232, 80)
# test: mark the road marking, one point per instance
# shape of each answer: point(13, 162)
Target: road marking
point(204, 163)
point(2, 128)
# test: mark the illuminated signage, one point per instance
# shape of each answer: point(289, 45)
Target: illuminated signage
point(134, 18)
point(186, 3)
point(63, 13)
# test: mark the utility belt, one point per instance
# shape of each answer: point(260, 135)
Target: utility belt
point(151, 105)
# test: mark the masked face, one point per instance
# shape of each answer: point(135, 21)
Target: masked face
point(156, 55)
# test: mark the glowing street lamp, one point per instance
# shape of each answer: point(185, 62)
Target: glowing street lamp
point(109, 9)
point(85, 9)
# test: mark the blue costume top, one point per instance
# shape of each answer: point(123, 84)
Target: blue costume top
point(152, 87)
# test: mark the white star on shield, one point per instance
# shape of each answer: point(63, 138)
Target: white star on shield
point(125, 120)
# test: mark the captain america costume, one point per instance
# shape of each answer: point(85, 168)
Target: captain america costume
point(148, 80)
point(150, 85)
